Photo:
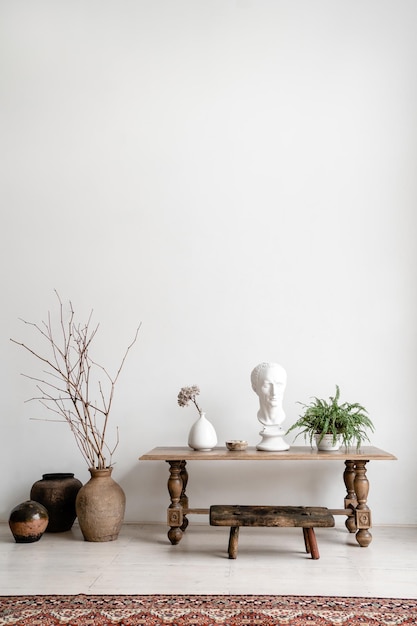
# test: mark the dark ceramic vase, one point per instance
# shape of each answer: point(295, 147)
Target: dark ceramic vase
point(28, 521)
point(57, 492)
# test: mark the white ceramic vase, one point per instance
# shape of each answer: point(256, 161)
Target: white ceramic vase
point(202, 435)
point(327, 442)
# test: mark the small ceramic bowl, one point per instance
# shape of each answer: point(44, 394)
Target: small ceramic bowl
point(236, 444)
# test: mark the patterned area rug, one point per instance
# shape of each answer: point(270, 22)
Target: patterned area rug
point(157, 610)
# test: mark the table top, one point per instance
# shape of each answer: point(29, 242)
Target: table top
point(295, 453)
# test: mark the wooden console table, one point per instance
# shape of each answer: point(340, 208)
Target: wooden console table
point(354, 475)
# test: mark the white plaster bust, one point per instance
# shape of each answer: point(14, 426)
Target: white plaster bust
point(268, 382)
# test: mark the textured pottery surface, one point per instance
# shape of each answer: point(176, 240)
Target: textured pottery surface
point(236, 445)
point(57, 493)
point(327, 443)
point(202, 435)
point(100, 507)
point(28, 521)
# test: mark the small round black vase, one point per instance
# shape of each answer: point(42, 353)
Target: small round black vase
point(28, 521)
point(57, 493)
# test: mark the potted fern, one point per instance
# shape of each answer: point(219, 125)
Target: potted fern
point(332, 423)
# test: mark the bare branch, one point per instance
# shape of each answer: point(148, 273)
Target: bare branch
point(69, 376)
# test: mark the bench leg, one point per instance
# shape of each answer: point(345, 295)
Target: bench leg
point(306, 540)
point(311, 543)
point(233, 541)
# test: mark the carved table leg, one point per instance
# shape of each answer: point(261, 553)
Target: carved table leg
point(175, 512)
point(350, 499)
point(362, 512)
point(184, 498)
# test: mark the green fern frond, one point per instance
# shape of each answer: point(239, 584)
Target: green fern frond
point(346, 420)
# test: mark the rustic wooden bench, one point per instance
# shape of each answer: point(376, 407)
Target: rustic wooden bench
point(305, 517)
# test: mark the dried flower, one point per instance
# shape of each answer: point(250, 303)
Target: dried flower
point(188, 394)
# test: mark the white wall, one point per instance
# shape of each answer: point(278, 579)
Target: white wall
point(239, 176)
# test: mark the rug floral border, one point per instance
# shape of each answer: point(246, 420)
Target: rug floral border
point(204, 610)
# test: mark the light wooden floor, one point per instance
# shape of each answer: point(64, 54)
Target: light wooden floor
point(270, 561)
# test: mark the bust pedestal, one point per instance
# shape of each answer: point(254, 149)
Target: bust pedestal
point(272, 439)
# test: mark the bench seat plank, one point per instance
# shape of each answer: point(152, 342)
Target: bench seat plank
point(275, 516)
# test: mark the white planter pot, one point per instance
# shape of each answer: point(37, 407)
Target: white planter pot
point(327, 442)
point(202, 435)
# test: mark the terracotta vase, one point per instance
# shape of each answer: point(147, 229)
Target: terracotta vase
point(28, 521)
point(57, 493)
point(100, 506)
